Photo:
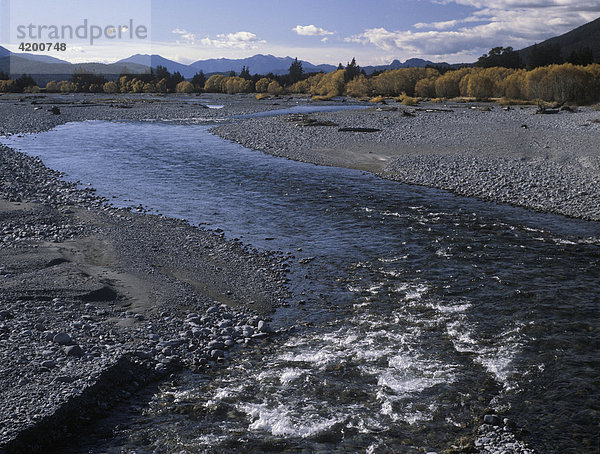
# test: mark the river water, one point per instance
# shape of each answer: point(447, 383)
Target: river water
point(418, 311)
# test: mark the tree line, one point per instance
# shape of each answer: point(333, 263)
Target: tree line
point(505, 78)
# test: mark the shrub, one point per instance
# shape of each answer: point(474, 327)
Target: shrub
point(52, 87)
point(108, 87)
point(448, 85)
point(479, 86)
point(262, 85)
point(425, 88)
point(358, 87)
point(214, 83)
point(330, 85)
point(149, 88)
point(184, 87)
point(274, 88)
point(378, 99)
point(65, 86)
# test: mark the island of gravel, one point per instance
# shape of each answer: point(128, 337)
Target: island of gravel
point(96, 302)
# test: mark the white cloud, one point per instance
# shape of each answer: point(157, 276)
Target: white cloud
point(311, 30)
point(516, 23)
point(239, 40)
point(438, 25)
point(188, 37)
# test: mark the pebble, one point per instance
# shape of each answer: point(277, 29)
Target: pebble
point(62, 339)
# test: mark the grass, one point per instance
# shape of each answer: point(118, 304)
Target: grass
point(514, 102)
point(379, 99)
point(322, 97)
point(262, 96)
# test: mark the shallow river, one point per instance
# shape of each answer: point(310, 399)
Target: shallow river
point(419, 311)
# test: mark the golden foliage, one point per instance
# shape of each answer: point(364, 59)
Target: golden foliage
point(108, 87)
point(274, 88)
point(214, 83)
point(330, 85)
point(358, 87)
point(262, 85)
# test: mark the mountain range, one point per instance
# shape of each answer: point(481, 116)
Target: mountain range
point(44, 68)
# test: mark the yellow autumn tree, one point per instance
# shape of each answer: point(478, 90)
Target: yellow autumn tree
point(358, 87)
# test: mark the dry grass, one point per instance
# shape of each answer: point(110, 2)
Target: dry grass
point(380, 99)
point(464, 99)
point(514, 102)
point(262, 96)
point(322, 98)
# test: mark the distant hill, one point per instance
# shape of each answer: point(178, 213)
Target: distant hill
point(397, 64)
point(152, 61)
point(257, 64)
point(588, 35)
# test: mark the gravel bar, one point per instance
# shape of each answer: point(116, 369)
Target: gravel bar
point(548, 163)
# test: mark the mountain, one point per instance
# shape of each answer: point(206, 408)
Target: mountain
point(156, 60)
point(397, 64)
point(257, 64)
point(588, 35)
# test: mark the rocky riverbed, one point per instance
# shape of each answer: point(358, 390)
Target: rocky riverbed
point(548, 163)
point(98, 302)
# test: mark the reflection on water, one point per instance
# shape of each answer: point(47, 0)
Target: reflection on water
point(418, 310)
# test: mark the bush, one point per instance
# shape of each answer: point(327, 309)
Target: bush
point(184, 87)
point(329, 85)
point(108, 87)
point(378, 99)
point(358, 87)
point(425, 88)
point(65, 86)
point(52, 87)
point(262, 85)
point(214, 83)
point(274, 88)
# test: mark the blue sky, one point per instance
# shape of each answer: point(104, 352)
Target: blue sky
point(320, 31)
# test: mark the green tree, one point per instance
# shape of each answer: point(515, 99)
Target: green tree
point(199, 80)
point(581, 57)
point(162, 73)
point(548, 54)
point(245, 73)
point(296, 71)
point(352, 70)
point(504, 57)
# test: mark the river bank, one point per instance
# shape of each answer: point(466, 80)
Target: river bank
point(547, 163)
point(98, 302)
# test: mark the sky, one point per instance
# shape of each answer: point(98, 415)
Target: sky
point(319, 31)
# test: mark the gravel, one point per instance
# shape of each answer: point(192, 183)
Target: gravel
point(98, 302)
point(548, 163)
point(76, 336)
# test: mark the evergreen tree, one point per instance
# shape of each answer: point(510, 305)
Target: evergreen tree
point(162, 73)
point(199, 80)
point(581, 57)
point(548, 54)
point(352, 70)
point(296, 71)
point(504, 57)
point(245, 73)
